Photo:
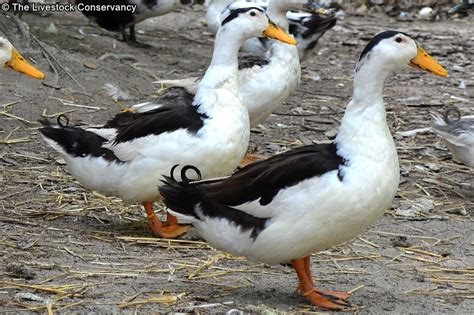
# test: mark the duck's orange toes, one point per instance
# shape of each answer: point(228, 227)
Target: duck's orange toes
point(327, 301)
point(331, 300)
point(171, 230)
point(249, 159)
point(341, 295)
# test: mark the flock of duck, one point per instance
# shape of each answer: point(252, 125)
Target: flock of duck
point(184, 147)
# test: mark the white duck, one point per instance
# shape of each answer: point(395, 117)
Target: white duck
point(313, 197)
point(265, 81)
point(307, 24)
point(10, 58)
point(458, 133)
point(127, 156)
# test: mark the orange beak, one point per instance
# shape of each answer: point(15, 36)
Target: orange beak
point(18, 63)
point(275, 32)
point(427, 63)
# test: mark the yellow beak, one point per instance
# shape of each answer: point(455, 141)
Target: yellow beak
point(275, 32)
point(18, 63)
point(426, 62)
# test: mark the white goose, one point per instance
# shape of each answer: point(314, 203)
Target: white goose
point(127, 156)
point(313, 197)
point(457, 133)
point(11, 58)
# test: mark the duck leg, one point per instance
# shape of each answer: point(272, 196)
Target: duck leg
point(325, 299)
point(132, 38)
point(172, 230)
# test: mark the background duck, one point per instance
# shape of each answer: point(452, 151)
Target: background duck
point(462, 7)
point(126, 156)
point(307, 25)
point(11, 58)
point(458, 134)
point(265, 80)
point(119, 21)
point(313, 197)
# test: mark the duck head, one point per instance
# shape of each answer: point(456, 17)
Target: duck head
point(251, 22)
point(393, 50)
point(10, 58)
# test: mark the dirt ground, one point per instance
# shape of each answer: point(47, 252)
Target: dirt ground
point(68, 250)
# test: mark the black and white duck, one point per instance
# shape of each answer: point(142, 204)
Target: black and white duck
point(127, 156)
point(311, 198)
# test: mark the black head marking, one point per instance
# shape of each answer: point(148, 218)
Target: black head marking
point(236, 12)
point(376, 39)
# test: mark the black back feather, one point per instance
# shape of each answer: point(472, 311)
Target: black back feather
point(259, 181)
point(176, 112)
point(263, 180)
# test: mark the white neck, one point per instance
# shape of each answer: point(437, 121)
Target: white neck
point(369, 81)
point(224, 62)
point(222, 73)
point(365, 122)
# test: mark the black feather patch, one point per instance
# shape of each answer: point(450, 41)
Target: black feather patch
point(176, 113)
point(244, 220)
point(248, 61)
point(187, 197)
point(308, 26)
point(263, 180)
point(376, 39)
point(114, 21)
point(78, 142)
point(309, 29)
point(236, 12)
point(259, 181)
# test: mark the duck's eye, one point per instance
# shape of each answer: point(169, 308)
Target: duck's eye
point(252, 13)
point(398, 39)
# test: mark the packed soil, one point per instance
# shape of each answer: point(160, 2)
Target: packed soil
point(66, 249)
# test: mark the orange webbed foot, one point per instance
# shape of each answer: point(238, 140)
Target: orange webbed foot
point(328, 301)
point(341, 295)
point(171, 231)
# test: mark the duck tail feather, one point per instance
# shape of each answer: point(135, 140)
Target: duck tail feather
point(181, 196)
